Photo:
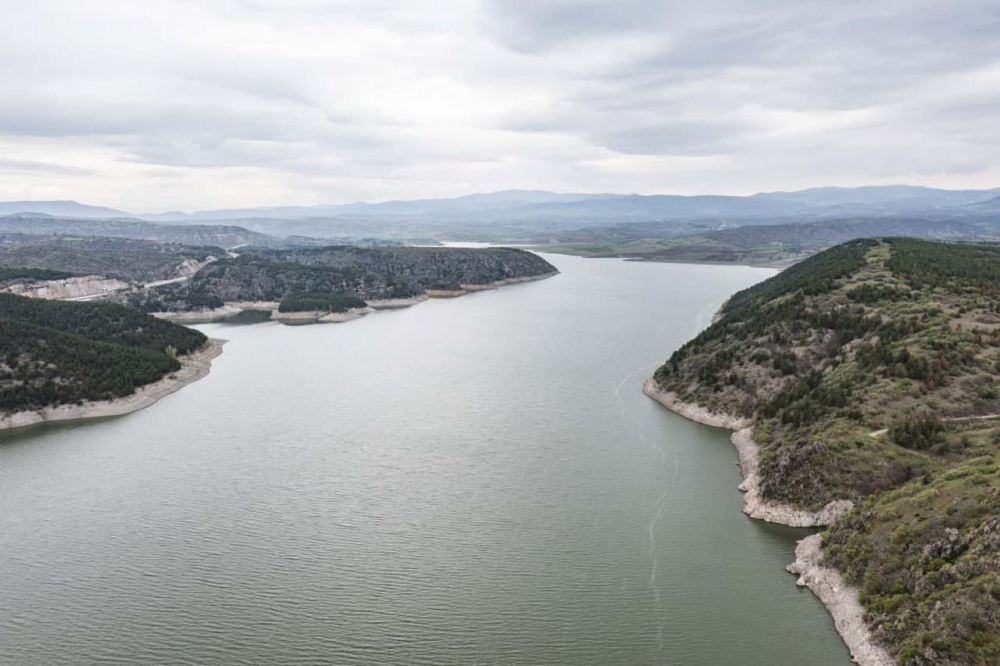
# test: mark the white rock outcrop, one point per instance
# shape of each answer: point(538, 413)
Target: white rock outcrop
point(840, 599)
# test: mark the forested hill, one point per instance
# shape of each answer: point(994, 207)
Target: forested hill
point(54, 352)
point(362, 273)
point(126, 259)
point(872, 373)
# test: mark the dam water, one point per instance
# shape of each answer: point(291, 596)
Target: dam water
point(468, 481)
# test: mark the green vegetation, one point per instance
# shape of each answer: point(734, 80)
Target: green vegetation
point(21, 274)
point(362, 273)
point(320, 303)
point(54, 352)
point(752, 244)
point(927, 560)
point(122, 258)
point(864, 368)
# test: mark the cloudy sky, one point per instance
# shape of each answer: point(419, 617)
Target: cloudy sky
point(152, 105)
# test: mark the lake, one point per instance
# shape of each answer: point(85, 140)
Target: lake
point(468, 481)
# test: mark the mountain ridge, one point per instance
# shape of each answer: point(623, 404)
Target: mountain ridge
point(522, 203)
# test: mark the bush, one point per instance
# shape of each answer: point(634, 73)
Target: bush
point(919, 432)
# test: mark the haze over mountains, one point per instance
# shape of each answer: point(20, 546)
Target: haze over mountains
point(511, 205)
point(59, 209)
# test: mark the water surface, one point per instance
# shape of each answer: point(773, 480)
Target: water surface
point(469, 481)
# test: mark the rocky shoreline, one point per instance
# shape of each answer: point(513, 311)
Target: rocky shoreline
point(234, 308)
point(775, 512)
point(747, 449)
point(194, 366)
point(840, 599)
point(319, 316)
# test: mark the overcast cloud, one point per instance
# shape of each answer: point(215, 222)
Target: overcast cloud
point(157, 105)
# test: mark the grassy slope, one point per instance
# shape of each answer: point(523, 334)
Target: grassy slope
point(862, 367)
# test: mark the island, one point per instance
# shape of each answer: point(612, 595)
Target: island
point(864, 388)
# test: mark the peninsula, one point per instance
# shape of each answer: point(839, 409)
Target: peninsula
point(335, 283)
point(66, 361)
point(864, 387)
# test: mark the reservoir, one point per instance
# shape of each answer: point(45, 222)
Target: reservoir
point(468, 481)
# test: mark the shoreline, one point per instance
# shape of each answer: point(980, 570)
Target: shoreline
point(194, 366)
point(839, 598)
point(747, 449)
point(233, 308)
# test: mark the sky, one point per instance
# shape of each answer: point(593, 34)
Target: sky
point(160, 105)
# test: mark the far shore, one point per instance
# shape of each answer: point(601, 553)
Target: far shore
point(840, 599)
point(194, 366)
point(234, 308)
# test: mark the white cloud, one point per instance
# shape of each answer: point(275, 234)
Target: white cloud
point(215, 103)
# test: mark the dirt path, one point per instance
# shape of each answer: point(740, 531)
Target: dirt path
point(953, 419)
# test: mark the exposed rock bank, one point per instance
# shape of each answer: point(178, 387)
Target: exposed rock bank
point(396, 303)
point(691, 410)
point(194, 366)
point(753, 504)
point(469, 288)
point(840, 599)
point(199, 316)
point(233, 308)
point(320, 316)
point(775, 512)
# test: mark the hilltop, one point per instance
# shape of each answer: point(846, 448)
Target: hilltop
point(869, 374)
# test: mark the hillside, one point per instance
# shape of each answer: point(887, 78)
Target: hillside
point(212, 234)
point(125, 259)
point(363, 273)
point(990, 206)
point(870, 373)
point(752, 244)
point(56, 353)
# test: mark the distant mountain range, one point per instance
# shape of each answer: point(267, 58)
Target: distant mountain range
point(514, 205)
point(535, 204)
point(527, 215)
point(60, 209)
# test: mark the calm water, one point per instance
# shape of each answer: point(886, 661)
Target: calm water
point(472, 481)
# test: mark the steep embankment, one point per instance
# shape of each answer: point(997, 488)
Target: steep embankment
point(63, 360)
point(855, 373)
